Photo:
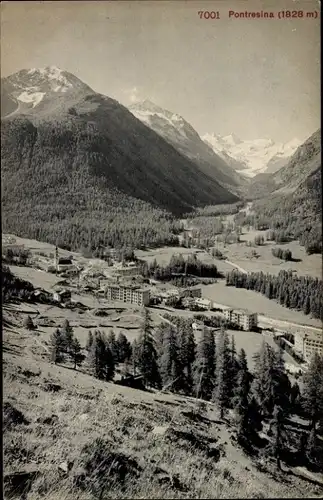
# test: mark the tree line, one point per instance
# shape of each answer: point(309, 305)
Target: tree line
point(14, 287)
point(90, 222)
point(283, 254)
point(303, 293)
point(215, 210)
point(290, 217)
point(103, 352)
point(178, 265)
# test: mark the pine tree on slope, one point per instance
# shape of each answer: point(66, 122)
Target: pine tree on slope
point(313, 390)
point(68, 335)
point(147, 355)
point(56, 346)
point(75, 352)
point(89, 341)
point(187, 351)
point(123, 348)
point(100, 358)
point(170, 366)
point(112, 343)
point(279, 434)
point(221, 393)
point(204, 366)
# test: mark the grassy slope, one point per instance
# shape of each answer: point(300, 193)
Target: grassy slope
point(137, 423)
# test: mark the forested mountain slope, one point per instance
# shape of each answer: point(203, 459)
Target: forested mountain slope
point(76, 163)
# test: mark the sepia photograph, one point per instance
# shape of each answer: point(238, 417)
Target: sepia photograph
point(161, 210)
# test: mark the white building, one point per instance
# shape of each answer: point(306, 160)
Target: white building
point(127, 293)
point(203, 303)
point(247, 320)
point(307, 343)
point(62, 295)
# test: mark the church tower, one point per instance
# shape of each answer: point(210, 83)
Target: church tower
point(56, 259)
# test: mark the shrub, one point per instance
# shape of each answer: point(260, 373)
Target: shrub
point(28, 323)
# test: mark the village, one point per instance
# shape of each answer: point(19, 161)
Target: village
point(115, 283)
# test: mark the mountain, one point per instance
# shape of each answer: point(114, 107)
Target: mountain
point(69, 153)
point(281, 159)
point(305, 160)
point(252, 157)
point(26, 89)
point(291, 198)
point(180, 134)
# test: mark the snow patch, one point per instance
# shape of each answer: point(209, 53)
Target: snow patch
point(35, 98)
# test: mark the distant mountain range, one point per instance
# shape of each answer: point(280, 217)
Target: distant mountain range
point(180, 134)
point(254, 156)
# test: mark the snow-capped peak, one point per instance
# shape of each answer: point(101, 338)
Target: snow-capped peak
point(255, 154)
point(232, 139)
point(29, 87)
point(156, 117)
point(52, 74)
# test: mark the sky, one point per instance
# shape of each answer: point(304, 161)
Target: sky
point(256, 78)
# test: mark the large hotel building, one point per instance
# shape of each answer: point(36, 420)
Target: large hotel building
point(131, 294)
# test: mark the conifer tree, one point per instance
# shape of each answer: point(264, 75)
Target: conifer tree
point(146, 354)
point(123, 348)
point(68, 335)
point(75, 352)
point(313, 390)
point(100, 358)
point(278, 432)
point(135, 356)
point(233, 369)
point(204, 366)
point(311, 449)
point(56, 346)
point(221, 392)
point(241, 397)
point(159, 338)
point(113, 346)
point(170, 363)
point(187, 349)
point(89, 341)
point(271, 385)
point(28, 323)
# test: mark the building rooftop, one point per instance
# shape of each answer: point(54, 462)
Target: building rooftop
point(311, 334)
point(200, 300)
point(132, 286)
point(241, 311)
point(62, 292)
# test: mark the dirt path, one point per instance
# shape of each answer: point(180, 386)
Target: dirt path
point(236, 266)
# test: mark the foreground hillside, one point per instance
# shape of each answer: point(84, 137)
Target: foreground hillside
point(72, 432)
point(74, 160)
point(65, 430)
